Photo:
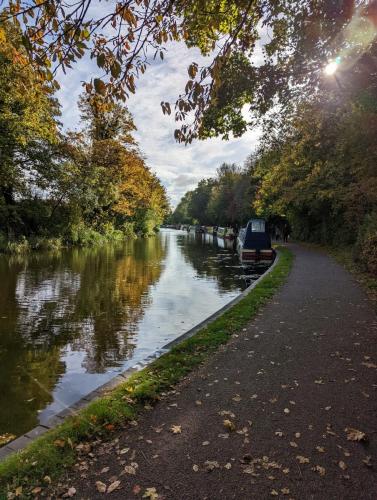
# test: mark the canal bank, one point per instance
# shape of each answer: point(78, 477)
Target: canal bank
point(285, 409)
point(57, 449)
point(72, 320)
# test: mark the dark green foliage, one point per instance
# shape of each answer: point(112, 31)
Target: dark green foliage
point(223, 200)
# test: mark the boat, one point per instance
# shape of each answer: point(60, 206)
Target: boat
point(254, 243)
point(225, 232)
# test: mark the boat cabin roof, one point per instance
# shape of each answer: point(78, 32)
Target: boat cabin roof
point(256, 235)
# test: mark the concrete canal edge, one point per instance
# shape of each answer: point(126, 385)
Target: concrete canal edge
point(23, 441)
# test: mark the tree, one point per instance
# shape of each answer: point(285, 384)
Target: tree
point(297, 39)
point(28, 127)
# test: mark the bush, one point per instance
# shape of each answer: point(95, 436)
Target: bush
point(48, 244)
point(366, 246)
point(19, 247)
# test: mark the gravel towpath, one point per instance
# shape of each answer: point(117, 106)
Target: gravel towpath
point(286, 409)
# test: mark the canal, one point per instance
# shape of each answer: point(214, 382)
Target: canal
point(73, 319)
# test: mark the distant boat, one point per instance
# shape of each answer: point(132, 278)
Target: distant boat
point(195, 229)
point(225, 232)
point(254, 243)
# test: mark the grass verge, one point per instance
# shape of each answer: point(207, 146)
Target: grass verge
point(50, 454)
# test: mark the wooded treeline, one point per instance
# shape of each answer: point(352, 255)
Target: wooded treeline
point(76, 187)
point(317, 167)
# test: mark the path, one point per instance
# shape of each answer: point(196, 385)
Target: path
point(301, 373)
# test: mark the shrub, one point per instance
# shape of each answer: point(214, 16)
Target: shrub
point(366, 246)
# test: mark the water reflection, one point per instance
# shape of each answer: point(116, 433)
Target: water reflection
point(69, 320)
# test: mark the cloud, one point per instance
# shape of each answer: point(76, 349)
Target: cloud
point(178, 166)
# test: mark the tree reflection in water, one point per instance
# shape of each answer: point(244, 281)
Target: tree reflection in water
point(86, 300)
point(69, 320)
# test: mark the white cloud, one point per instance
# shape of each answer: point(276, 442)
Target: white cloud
point(178, 166)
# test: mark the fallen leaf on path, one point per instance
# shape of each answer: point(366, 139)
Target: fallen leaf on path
point(320, 449)
point(287, 410)
point(151, 493)
point(285, 491)
point(36, 490)
point(368, 461)
point(211, 465)
point(205, 443)
point(227, 413)
point(229, 465)
point(113, 486)
point(228, 424)
point(302, 460)
point(130, 470)
point(274, 493)
point(136, 489)
point(369, 365)
point(355, 434)
point(223, 435)
point(101, 487)
point(293, 444)
point(319, 381)
point(279, 433)
point(237, 398)
point(342, 465)
point(321, 470)
point(176, 429)
point(195, 468)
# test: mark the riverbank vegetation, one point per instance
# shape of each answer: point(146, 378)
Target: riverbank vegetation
point(50, 454)
point(303, 71)
point(57, 188)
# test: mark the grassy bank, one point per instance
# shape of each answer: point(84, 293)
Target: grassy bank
point(56, 450)
point(85, 237)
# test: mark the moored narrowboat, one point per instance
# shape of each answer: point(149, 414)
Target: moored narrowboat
point(254, 243)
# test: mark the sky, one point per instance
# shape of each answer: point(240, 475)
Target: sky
point(179, 167)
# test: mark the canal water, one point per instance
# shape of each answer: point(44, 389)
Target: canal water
point(71, 320)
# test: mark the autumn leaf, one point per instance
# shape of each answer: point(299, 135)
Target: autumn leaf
point(321, 470)
point(151, 493)
point(101, 487)
point(176, 429)
point(355, 434)
point(342, 465)
point(228, 424)
point(129, 469)
point(302, 460)
point(113, 486)
point(100, 86)
point(136, 489)
point(211, 465)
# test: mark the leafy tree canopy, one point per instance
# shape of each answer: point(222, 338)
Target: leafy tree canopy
point(262, 52)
